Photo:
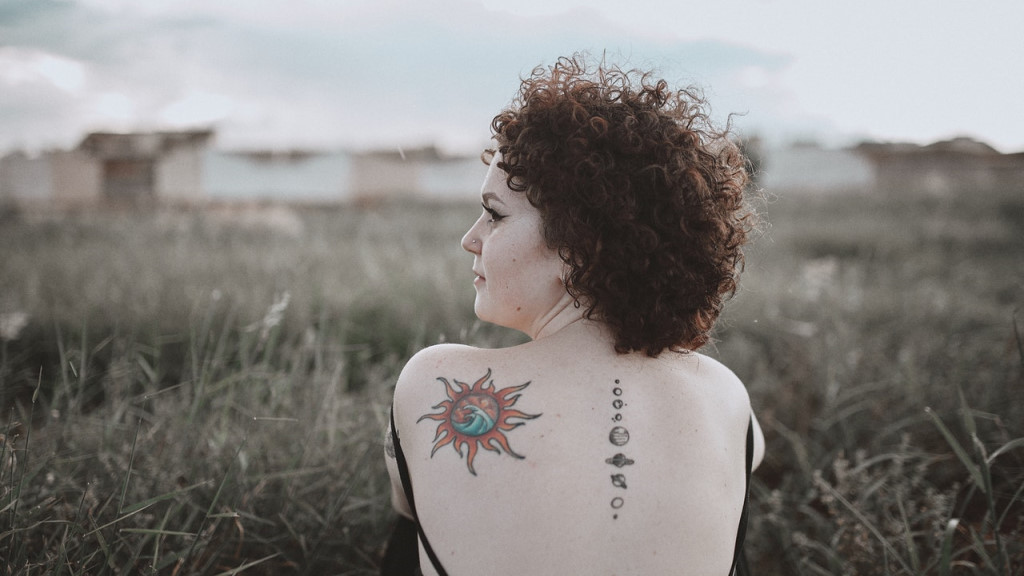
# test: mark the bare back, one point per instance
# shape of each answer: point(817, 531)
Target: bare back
point(563, 458)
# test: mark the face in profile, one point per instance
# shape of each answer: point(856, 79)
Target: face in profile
point(518, 278)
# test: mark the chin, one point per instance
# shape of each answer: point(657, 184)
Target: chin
point(481, 311)
point(488, 315)
point(485, 317)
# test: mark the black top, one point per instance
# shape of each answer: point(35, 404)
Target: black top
point(738, 561)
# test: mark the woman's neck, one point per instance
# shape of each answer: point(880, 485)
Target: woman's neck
point(561, 317)
point(575, 332)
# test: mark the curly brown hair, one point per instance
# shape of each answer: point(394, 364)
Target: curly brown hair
point(642, 197)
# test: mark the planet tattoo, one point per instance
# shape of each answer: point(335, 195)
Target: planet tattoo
point(618, 436)
point(620, 460)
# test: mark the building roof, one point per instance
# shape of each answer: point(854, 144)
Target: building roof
point(141, 144)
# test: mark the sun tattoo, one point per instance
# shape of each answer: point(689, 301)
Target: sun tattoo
point(475, 416)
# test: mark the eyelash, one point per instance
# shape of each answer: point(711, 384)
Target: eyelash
point(495, 217)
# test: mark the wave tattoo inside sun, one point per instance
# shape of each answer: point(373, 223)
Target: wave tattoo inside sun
point(477, 416)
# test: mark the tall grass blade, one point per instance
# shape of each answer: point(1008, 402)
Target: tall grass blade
point(167, 496)
point(908, 536)
point(115, 521)
point(248, 565)
point(1009, 506)
point(128, 473)
point(108, 560)
point(156, 541)
point(83, 355)
point(961, 454)
point(156, 531)
point(4, 459)
point(981, 549)
point(216, 498)
point(986, 474)
point(1020, 341)
point(1011, 445)
point(870, 527)
point(969, 423)
point(16, 494)
point(64, 362)
point(946, 554)
point(226, 515)
point(62, 554)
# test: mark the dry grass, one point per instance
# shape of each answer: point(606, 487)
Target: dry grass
point(201, 395)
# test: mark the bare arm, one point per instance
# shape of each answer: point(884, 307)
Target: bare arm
point(758, 442)
point(398, 500)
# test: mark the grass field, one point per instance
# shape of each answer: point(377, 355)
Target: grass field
point(188, 393)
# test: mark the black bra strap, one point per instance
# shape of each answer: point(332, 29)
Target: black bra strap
point(403, 472)
point(738, 560)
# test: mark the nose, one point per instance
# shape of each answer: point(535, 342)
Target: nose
point(471, 241)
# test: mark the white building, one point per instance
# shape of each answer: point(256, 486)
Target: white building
point(140, 169)
point(805, 168)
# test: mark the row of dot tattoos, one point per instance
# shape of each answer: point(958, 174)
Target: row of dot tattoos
point(618, 436)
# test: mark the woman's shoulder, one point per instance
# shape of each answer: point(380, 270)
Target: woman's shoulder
point(440, 361)
point(440, 357)
point(707, 364)
point(715, 382)
point(700, 368)
point(730, 398)
point(716, 371)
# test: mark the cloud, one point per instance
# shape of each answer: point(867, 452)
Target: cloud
point(317, 74)
point(20, 67)
point(197, 107)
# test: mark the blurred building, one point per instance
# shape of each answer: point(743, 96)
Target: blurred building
point(284, 176)
point(57, 177)
point(960, 165)
point(806, 167)
point(423, 173)
point(110, 169)
point(145, 168)
point(943, 168)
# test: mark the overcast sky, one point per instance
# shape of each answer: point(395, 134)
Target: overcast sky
point(383, 73)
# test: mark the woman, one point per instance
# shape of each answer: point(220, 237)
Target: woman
point(611, 230)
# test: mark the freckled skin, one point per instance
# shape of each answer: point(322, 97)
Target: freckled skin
point(520, 277)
